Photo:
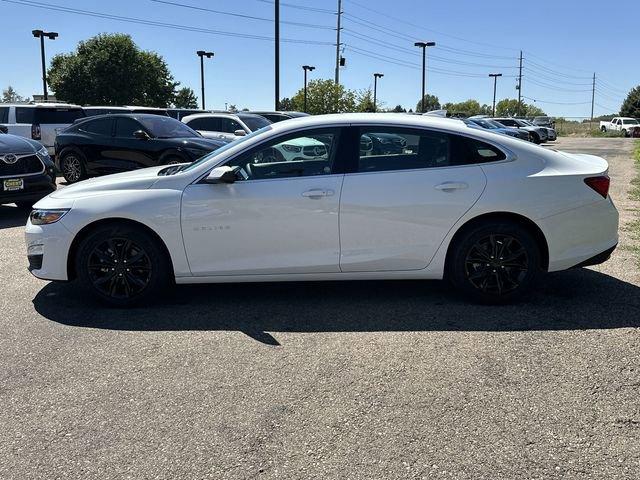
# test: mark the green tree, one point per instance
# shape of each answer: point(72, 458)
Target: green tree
point(9, 95)
point(508, 107)
point(185, 98)
point(364, 101)
point(467, 108)
point(399, 109)
point(325, 96)
point(109, 69)
point(431, 102)
point(286, 105)
point(631, 104)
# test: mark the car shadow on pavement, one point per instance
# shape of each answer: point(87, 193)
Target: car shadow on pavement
point(573, 300)
point(13, 216)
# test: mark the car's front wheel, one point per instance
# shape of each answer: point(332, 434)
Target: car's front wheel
point(495, 262)
point(122, 265)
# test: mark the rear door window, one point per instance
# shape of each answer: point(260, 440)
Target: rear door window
point(101, 127)
point(57, 115)
point(205, 124)
point(4, 114)
point(24, 114)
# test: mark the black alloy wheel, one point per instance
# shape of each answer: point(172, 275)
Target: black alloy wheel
point(123, 264)
point(496, 264)
point(119, 268)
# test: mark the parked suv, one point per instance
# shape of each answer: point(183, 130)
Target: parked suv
point(280, 116)
point(537, 134)
point(116, 143)
point(226, 126)
point(91, 110)
point(39, 121)
point(26, 171)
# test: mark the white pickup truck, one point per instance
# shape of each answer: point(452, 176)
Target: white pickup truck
point(630, 127)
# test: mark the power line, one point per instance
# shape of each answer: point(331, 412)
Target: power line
point(556, 103)
point(300, 7)
point(154, 23)
point(241, 15)
point(553, 87)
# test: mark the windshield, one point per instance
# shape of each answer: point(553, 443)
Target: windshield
point(254, 122)
point(166, 127)
point(222, 149)
point(630, 121)
point(485, 123)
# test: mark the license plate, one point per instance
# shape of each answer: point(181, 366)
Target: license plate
point(13, 184)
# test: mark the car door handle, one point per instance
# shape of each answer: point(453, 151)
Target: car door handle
point(317, 193)
point(449, 186)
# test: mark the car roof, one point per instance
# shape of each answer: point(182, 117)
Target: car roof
point(41, 105)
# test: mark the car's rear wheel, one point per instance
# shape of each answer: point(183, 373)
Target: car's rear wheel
point(625, 134)
point(122, 265)
point(495, 263)
point(72, 166)
point(535, 138)
point(603, 129)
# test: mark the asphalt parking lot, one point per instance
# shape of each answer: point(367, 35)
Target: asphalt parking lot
point(326, 380)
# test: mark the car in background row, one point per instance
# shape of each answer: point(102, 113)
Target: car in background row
point(39, 121)
point(275, 117)
point(225, 126)
point(544, 121)
point(27, 173)
point(538, 134)
point(552, 136)
point(629, 127)
point(180, 113)
point(496, 127)
point(92, 110)
point(120, 142)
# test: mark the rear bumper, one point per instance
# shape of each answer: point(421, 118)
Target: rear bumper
point(599, 258)
point(581, 235)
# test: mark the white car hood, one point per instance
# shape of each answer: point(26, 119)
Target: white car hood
point(134, 180)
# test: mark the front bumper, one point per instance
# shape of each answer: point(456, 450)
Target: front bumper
point(35, 188)
point(47, 250)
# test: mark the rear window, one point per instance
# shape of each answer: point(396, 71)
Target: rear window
point(56, 115)
point(101, 126)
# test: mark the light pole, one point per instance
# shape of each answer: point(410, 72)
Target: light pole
point(51, 36)
point(306, 68)
point(423, 46)
point(376, 76)
point(495, 82)
point(202, 54)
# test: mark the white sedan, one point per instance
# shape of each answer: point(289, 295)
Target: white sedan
point(488, 212)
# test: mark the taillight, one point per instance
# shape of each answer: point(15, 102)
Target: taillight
point(35, 132)
point(599, 184)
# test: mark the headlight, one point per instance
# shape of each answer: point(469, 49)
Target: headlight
point(292, 148)
point(45, 217)
point(43, 153)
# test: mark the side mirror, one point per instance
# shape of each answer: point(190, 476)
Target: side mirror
point(4, 129)
point(141, 135)
point(221, 175)
point(239, 133)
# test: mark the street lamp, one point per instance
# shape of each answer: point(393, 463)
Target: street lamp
point(495, 81)
point(51, 36)
point(202, 54)
point(306, 68)
point(376, 76)
point(423, 46)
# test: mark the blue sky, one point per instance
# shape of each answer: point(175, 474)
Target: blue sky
point(564, 42)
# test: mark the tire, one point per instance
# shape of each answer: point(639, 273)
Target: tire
point(603, 129)
point(624, 133)
point(173, 160)
point(496, 281)
point(101, 265)
point(72, 166)
point(535, 138)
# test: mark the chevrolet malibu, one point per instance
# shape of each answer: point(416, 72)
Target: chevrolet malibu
point(488, 212)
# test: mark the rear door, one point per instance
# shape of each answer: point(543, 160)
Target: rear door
point(54, 119)
point(95, 140)
point(399, 203)
point(208, 127)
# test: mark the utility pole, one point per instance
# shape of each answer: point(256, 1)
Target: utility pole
point(520, 86)
point(202, 54)
point(306, 68)
point(338, 30)
point(593, 99)
point(495, 82)
point(51, 36)
point(376, 76)
point(277, 52)
point(423, 46)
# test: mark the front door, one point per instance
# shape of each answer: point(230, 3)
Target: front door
point(409, 188)
point(279, 217)
point(128, 152)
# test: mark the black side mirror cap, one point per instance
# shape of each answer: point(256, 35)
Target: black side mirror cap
point(141, 135)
